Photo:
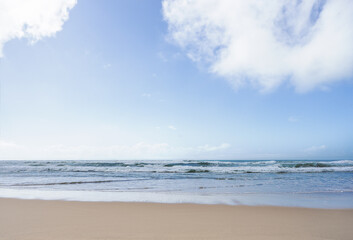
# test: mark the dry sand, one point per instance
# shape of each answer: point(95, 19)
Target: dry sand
point(37, 220)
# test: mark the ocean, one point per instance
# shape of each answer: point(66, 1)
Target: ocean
point(319, 184)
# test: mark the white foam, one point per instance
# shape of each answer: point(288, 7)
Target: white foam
point(101, 196)
point(341, 162)
point(297, 200)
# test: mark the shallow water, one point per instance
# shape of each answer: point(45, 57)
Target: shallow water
point(326, 184)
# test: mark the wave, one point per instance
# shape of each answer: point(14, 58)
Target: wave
point(305, 165)
point(110, 164)
point(347, 162)
point(197, 171)
point(159, 167)
point(191, 164)
point(63, 183)
point(216, 170)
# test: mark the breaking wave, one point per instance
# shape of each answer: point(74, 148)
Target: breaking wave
point(182, 167)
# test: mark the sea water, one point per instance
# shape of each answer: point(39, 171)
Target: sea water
point(321, 184)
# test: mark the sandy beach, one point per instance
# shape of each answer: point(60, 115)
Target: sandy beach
point(39, 219)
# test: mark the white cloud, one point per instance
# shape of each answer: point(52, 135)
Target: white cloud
point(32, 19)
point(209, 148)
point(315, 148)
point(142, 150)
point(106, 66)
point(162, 56)
point(293, 119)
point(5, 144)
point(10, 150)
point(266, 43)
point(148, 95)
point(172, 127)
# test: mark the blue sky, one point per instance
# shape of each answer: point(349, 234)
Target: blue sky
point(115, 83)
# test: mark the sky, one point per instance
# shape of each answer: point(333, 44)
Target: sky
point(176, 79)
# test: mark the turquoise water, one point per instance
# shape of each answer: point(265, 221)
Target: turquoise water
point(323, 184)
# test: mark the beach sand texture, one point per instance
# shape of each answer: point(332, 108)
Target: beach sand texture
point(46, 220)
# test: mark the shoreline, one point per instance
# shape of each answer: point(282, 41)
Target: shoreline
point(330, 200)
point(175, 203)
point(55, 219)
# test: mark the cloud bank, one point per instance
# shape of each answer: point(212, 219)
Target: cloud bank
point(32, 19)
point(209, 148)
point(139, 151)
point(316, 148)
point(308, 43)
